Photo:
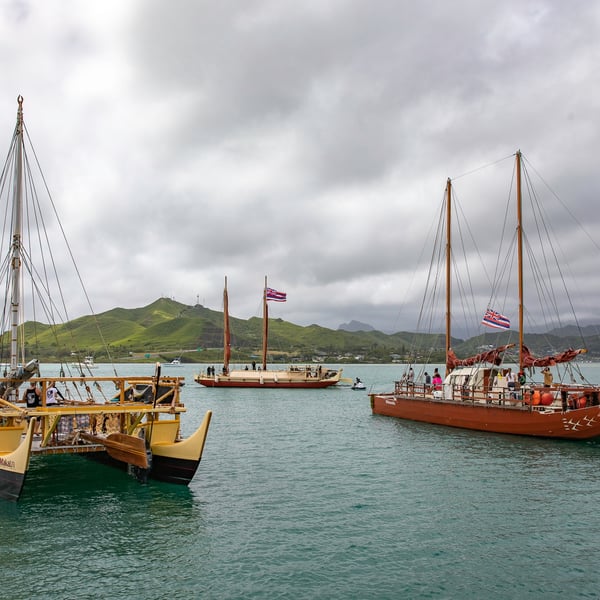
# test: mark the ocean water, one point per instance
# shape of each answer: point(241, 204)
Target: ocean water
point(306, 494)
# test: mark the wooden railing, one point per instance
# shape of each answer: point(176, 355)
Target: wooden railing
point(534, 397)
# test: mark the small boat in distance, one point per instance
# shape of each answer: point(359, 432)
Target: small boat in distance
point(176, 362)
point(86, 363)
point(308, 376)
point(133, 422)
point(482, 392)
point(358, 385)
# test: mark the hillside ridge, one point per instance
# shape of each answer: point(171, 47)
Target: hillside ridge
point(167, 328)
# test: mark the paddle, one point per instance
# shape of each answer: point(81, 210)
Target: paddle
point(123, 447)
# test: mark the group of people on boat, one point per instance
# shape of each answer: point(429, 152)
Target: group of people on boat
point(508, 380)
point(434, 382)
point(409, 377)
point(33, 395)
point(506, 383)
point(512, 382)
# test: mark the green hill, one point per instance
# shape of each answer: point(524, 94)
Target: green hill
point(166, 328)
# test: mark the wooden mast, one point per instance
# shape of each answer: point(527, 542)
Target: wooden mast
point(448, 264)
point(520, 256)
point(15, 263)
point(265, 327)
point(226, 333)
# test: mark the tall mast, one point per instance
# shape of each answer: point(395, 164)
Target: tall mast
point(15, 263)
point(520, 256)
point(448, 263)
point(265, 327)
point(226, 333)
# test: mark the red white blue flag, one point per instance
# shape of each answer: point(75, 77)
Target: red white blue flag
point(495, 319)
point(275, 295)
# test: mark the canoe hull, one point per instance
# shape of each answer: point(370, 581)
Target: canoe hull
point(173, 470)
point(11, 485)
point(210, 382)
point(577, 424)
point(170, 470)
point(271, 379)
point(177, 462)
point(14, 466)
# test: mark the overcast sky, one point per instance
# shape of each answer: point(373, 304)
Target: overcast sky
point(185, 141)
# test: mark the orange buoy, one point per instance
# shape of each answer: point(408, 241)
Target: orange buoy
point(526, 398)
point(546, 399)
point(535, 398)
point(581, 402)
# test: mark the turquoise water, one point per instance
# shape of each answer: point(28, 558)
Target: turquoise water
point(305, 494)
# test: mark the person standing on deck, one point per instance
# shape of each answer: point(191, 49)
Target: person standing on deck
point(511, 382)
point(548, 378)
point(466, 388)
point(427, 381)
point(32, 396)
point(52, 395)
point(33, 399)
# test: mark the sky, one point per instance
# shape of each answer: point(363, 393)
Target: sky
point(309, 142)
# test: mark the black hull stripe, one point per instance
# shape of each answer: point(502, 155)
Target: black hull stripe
point(173, 470)
point(11, 485)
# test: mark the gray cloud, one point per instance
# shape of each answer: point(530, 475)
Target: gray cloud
point(190, 140)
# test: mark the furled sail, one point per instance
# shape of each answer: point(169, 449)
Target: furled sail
point(529, 360)
point(17, 377)
point(490, 356)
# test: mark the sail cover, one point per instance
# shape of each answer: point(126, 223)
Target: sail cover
point(490, 356)
point(529, 360)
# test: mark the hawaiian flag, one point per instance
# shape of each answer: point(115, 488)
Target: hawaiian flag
point(275, 295)
point(495, 319)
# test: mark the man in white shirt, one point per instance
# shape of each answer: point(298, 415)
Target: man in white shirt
point(52, 395)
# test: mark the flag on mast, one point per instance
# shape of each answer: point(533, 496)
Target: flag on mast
point(494, 319)
point(275, 295)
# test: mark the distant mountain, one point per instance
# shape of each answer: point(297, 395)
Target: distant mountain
point(355, 326)
point(573, 330)
point(165, 329)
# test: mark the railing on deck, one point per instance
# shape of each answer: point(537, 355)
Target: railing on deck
point(530, 397)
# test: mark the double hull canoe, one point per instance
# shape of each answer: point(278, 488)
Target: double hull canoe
point(295, 377)
point(478, 397)
point(291, 378)
point(128, 419)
